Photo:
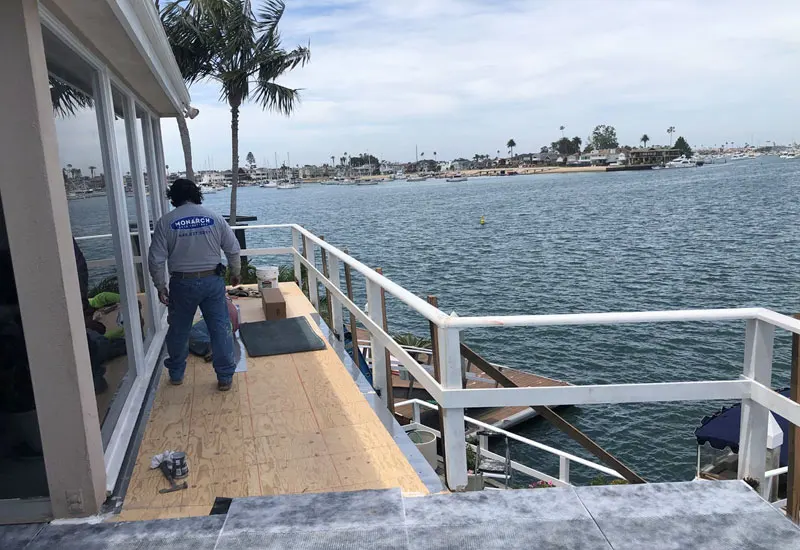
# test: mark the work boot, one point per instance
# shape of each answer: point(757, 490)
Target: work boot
point(224, 386)
point(176, 382)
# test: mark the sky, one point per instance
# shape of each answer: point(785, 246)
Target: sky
point(461, 77)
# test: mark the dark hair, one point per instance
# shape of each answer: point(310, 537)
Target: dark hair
point(183, 190)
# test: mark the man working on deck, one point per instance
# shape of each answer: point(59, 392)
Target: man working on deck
point(191, 238)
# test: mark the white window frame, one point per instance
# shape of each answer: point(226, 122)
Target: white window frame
point(145, 363)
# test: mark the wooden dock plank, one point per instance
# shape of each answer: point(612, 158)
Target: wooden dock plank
point(291, 424)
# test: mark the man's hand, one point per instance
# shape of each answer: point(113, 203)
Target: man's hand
point(236, 280)
point(163, 296)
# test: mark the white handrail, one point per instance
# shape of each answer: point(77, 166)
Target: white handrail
point(610, 318)
point(752, 388)
point(521, 439)
point(776, 472)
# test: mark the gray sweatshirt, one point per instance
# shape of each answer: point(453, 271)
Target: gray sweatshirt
point(191, 238)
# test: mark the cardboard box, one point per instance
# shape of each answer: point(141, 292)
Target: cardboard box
point(273, 304)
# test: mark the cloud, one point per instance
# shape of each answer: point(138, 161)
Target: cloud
point(463, 76)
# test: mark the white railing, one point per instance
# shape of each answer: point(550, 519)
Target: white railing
point(564, 458)
point(752, 387)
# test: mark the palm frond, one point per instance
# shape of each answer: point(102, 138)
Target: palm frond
point(67, 99)
point(277, 98)
point(270, 15)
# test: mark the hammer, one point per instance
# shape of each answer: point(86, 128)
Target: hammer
point(168, 474)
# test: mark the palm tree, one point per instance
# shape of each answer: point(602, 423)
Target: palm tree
point(562, 128)
point(225, 41)
point(511, 144)
point(434, 156)
point(333, 160)
point(644, 139)
point(670, 131)
point(92, 169)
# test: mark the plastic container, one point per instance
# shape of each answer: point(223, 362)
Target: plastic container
point(267, 277)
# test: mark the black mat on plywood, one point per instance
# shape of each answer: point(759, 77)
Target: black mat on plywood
point(293, 335)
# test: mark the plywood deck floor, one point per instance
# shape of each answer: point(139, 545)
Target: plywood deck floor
point(291, 424)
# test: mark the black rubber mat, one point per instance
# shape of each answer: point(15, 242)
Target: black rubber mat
point(293, 335)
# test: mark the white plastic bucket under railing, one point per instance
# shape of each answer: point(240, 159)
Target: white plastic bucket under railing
point(267, 277)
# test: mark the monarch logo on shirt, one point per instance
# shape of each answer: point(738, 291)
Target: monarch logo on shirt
point(192, 222)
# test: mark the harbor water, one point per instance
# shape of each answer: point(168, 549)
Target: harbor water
point(712, 237)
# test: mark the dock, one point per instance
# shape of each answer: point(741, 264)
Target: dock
point(291, 424)
point(503, 417)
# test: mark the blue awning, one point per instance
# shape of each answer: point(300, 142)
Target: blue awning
point(722, 429)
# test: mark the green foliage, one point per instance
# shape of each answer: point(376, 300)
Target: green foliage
point(566, 146)
point(683, 146)
point(604, 137)
point(251, 159)
point(603, 480)
point(510, 145)
point(412, 340)
point(66, 98)
point(472, 459)
point(109, 284)
point(644, 139)
point(286, 274)
point(365, 159)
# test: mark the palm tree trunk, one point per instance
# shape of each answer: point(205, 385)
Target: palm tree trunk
point(186, 142)
point(234, 159)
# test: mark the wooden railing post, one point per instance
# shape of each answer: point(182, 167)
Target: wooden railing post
point(793, 480)
point(313, 291)
point(387, 355)
point(348, 281)
point(298, 272)
point(452, 427)
point(379, 379)
point(755, 417)
point(328, 315)
point(437, 373)
point(334, 305)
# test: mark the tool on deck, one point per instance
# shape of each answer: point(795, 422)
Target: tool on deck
point(167, 471)
point(174, 466)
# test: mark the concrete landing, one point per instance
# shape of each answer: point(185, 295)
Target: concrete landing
point(698, 515)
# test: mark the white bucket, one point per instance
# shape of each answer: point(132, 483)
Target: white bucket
point(267, 277)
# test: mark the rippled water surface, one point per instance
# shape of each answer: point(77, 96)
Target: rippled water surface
point(712, 237)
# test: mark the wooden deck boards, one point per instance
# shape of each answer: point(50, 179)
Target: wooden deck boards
point(291, 424)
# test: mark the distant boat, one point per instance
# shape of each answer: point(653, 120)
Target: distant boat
point(739, 156)
point(284, 185)
point(681, 162)
point(347, 181)
point(457, 178)
point(416, 178)
point(269, 185)
point(367, 182)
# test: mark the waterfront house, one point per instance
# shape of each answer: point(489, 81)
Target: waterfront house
point(461, 164)
point(652, 156)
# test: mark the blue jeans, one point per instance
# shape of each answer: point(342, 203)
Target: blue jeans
point(185, 295)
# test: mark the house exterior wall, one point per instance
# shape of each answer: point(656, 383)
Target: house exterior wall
point(37, 222)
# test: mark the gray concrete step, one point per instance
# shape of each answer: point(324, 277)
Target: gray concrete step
point(698, 515)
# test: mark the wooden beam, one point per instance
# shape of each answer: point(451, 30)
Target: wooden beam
point(793, 478)
point(348, 281)
point(329, 317)
point(554, 418)
point(388, 357)
point(437, 371)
